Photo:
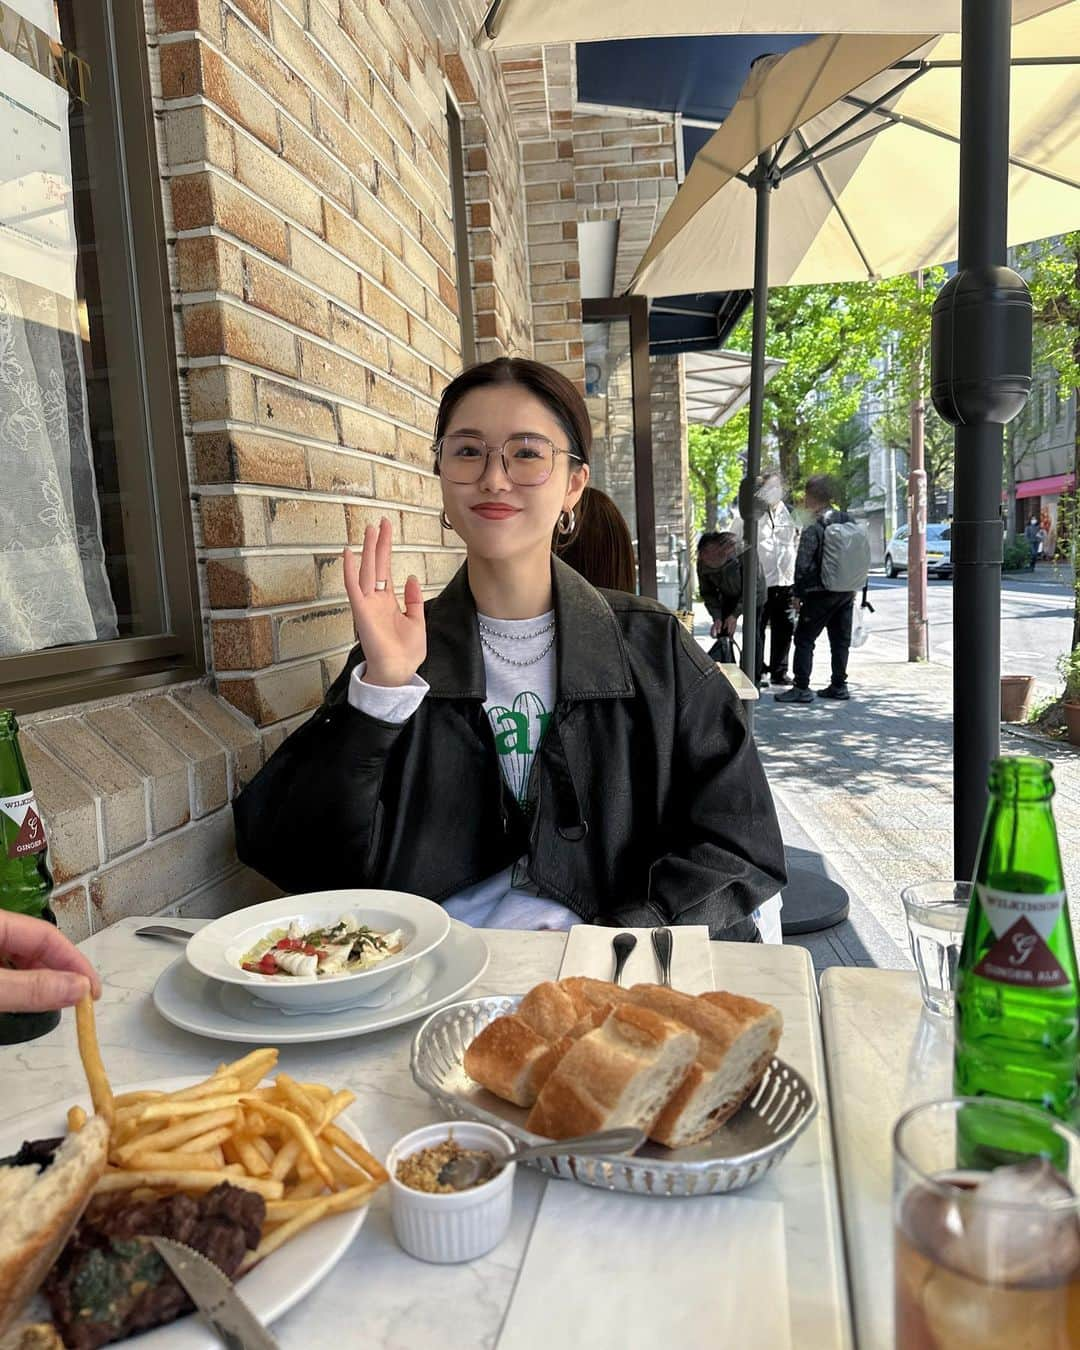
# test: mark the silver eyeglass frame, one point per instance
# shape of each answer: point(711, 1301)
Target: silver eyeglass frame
point(500, 450)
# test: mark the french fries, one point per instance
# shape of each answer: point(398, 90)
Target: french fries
point(278, 1140)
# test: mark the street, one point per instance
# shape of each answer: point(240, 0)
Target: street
point(1036, 621)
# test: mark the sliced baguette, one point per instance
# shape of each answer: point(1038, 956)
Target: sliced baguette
point(39, 1222)
point(738, 1037)
point(621, 1073)
point(503, 1057)
point(588, 993)
point(549, 1009)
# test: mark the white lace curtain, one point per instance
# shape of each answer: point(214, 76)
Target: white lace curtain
point(53, 584)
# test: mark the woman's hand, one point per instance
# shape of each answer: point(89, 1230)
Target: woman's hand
point(40, 970)
point(728, 626)
point(394, 640)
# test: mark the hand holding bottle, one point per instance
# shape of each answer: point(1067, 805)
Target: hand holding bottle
point(394, 639)
point(40, 970)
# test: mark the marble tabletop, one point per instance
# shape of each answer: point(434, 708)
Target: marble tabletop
point(884, 1053)
point(775, 1246)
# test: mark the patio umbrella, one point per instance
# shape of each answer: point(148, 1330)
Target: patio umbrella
point(867, 175)
point(516, 23)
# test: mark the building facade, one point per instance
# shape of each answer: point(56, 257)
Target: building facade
point(248, 244)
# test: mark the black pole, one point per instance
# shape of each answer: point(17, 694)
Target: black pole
point(976, 534)
point(763, 184)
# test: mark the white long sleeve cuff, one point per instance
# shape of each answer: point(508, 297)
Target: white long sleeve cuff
point(396, 704)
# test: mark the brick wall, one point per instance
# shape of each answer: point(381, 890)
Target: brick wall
point(308, 174)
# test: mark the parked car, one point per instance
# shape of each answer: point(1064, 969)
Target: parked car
point(938, 551)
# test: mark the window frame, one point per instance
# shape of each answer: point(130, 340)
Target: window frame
point(83, 671)
point(455, 147)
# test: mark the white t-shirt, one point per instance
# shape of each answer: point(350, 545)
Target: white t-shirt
point(519, 667)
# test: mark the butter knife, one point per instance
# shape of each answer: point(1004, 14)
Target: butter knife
point(212, 1292)
point(662, 942)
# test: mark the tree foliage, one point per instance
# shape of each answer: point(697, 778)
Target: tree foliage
point(717, 457)
point(834, 340)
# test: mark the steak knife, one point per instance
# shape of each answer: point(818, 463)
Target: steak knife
point(212, 1292)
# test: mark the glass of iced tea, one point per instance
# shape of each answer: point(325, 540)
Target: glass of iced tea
point(986, 1222)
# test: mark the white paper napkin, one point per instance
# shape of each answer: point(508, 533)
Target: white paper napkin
point(589, 952)
point(631, 1272)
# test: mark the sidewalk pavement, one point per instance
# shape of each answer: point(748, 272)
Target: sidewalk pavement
point(866, 786)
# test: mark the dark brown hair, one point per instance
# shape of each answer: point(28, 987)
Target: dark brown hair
point(601, 547)
point(819, 488)
point(555, 391)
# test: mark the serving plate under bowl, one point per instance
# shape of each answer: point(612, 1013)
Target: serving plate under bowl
point(217, 950)
point(741, 1152)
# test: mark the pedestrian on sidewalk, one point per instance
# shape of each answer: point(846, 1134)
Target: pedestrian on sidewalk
point(777, 543)
point(1035, 536)
point(833, 562)
point(719, 569)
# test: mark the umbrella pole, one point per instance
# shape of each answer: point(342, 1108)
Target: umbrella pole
point(763, 184)
point(976, 534)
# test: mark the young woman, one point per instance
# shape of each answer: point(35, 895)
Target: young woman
point(522, 749)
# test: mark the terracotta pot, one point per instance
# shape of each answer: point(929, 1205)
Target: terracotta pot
point(1072, 722)
point(1016, 696)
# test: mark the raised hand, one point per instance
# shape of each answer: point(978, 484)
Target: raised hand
point(394, 639)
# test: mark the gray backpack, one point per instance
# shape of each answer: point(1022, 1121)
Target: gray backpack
point(845, 558)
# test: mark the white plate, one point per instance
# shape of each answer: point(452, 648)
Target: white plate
point(272, 1288)
point(217, 950)
point(192, 1002)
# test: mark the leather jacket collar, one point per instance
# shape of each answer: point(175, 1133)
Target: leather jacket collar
point(595, 668)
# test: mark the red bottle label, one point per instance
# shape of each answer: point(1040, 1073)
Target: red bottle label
point(22, 812)
point(1022, 924)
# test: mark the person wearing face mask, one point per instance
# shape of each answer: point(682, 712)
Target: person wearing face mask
point(1035, 536)
point(523, 749)
point(719, 569)
point(777, 543)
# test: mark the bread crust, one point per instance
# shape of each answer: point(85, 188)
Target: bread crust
point(25, 1263)
point(549, 1009)
point(503, 1056)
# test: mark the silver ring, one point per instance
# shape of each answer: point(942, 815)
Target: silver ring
point(380, 585)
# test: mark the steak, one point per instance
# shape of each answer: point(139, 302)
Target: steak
point(109, 1283)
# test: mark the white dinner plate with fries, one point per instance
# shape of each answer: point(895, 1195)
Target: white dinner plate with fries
point(294, 1143)
point(223, 1012)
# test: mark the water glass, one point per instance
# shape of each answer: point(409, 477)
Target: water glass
point(936, 916)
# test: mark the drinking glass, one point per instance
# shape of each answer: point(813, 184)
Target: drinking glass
point(986, 1225)
point(936, 915)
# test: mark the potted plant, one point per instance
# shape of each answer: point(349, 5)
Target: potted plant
point(1069, 669)
point(1016, 691)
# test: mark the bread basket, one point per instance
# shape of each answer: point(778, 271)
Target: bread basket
point(741, 1152)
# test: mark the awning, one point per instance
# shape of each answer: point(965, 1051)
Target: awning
point(694, 323)
point(718, 384)
point(1045, 487)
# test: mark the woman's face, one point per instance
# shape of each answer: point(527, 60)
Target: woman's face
point(496, 518)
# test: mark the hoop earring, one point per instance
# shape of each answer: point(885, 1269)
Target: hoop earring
point(567, 521)
point(446, 521)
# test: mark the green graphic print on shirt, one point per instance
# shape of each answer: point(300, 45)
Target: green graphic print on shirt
point(518, 732)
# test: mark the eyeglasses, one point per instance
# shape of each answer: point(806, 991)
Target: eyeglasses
point(527, 460)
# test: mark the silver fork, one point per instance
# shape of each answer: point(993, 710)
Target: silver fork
point(662, 943)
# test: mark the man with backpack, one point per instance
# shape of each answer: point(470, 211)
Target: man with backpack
point(833, 563)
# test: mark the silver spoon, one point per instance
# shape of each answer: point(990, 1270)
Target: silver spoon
point(662, 942)
point(622, 944)
point(160, 930)
point(461, 1173)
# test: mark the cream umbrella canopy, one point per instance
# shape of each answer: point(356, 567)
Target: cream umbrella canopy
point(866, 178)
point(516, 23)
point(867, 161)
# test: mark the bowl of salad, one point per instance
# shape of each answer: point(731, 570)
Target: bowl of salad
point(328, 949)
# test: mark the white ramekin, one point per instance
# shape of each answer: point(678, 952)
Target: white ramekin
point(458, 1227)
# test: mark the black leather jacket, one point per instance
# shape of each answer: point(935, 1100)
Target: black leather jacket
point(647, 803)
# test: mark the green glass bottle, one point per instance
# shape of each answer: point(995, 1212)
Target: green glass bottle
point(25, 879)
point(1017, 995)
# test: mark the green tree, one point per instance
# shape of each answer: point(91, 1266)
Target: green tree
point(832, 340)
point(717, 457)
point(1052, 269)
point(851, 448)
point(939, 442)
